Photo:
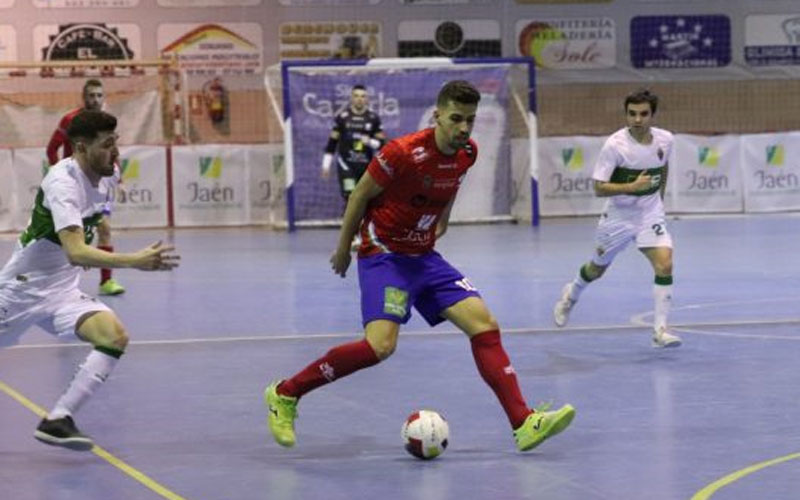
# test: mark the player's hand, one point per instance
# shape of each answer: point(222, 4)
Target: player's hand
point(157, 257)
point(340, 261)
point(642, 183)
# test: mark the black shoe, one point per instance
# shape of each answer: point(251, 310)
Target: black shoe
point(62, 432)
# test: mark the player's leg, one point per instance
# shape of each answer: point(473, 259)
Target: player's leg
point(661, 260)
point(655, 242)
point(108, 285)
point(449, 295)
point(348, 176)
point(105, 332)
point(613, 234)
point(384, 305)
point(531, 428)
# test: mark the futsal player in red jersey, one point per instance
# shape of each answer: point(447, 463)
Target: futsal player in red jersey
point(401, 206)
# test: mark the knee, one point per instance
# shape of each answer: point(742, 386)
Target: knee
point(594, 271)
point(383, 347)
point(663, 268)
point(118, 337)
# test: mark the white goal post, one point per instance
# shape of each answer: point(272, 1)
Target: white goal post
point(501, 186)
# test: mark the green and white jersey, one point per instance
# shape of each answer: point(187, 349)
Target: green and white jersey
point(622, 159)
point(66, 198)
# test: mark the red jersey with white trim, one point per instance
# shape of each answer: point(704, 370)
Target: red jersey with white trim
point(419, 181)
point(59, 138)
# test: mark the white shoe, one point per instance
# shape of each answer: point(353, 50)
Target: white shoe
point(563, 306)
point(662, 338)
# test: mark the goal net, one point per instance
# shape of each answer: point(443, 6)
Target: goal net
point(403, 93)
point(146, 96)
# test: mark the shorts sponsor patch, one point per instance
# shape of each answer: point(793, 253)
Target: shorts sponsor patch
point(395, 301)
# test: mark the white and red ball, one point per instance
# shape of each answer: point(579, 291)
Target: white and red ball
point(425, 434)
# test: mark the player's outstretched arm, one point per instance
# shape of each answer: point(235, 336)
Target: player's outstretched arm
point(156, 257)
point(365, 190)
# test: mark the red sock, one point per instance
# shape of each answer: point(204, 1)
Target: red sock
point(337, 363)
point(495, 368)
point(105, 274)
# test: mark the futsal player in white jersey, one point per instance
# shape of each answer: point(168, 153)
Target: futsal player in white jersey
point(632, 172)
point(39, 284)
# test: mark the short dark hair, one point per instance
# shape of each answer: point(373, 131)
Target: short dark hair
point(91, 83)
point(641, 96)
point(460, 91)
point(88, 123)
point(358, 86)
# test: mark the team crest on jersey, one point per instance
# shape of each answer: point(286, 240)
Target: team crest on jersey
point(427, 182)
point(660, 154)
point(419, 154)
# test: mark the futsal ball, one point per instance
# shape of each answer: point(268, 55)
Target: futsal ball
point(425, 434)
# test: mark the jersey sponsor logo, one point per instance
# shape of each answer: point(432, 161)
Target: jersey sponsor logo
point(395, 301)
point(419, 154)
point(447, 166)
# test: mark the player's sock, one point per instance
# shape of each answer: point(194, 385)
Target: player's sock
point(89, 377)
point(662, 295)
point(105, 274)
point(339, 362)
point(578, 284)
point(495, 368)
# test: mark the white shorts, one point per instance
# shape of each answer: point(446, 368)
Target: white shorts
point(58, 314)
point(615, 232)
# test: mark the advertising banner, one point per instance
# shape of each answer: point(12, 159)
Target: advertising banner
point(213, 49)
point(663, 42)
point(84, 4)
point(209, 185)
point(86, 41)
point(8, 43)
point(266, 182)
point(330, 40)
point(771, 172)
point(30, 167)
point(568, 43)
point(451, 38)
point(772, 40)
point(566, 165)
point(141, 197)
point(705, 175)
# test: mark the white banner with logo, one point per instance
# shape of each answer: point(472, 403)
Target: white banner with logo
point(141, 197)
point(7, 201)
point(771, 172)
point(705, 174)
point(209, 185)
point(565, 175)
point(30, 167)
point(266, 182)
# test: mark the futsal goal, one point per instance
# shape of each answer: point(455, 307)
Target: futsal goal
point(500, 187)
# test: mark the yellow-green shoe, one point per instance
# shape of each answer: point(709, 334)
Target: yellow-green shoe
point(541, 425)
point(282, 412)
point(111, 287)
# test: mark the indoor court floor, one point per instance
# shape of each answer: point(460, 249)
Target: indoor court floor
point(182, 416)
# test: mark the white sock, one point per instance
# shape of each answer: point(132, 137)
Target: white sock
point(89, 377)
point(662, 295)
point(578, 284)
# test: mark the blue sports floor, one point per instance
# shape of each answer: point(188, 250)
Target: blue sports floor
point(183, 417)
